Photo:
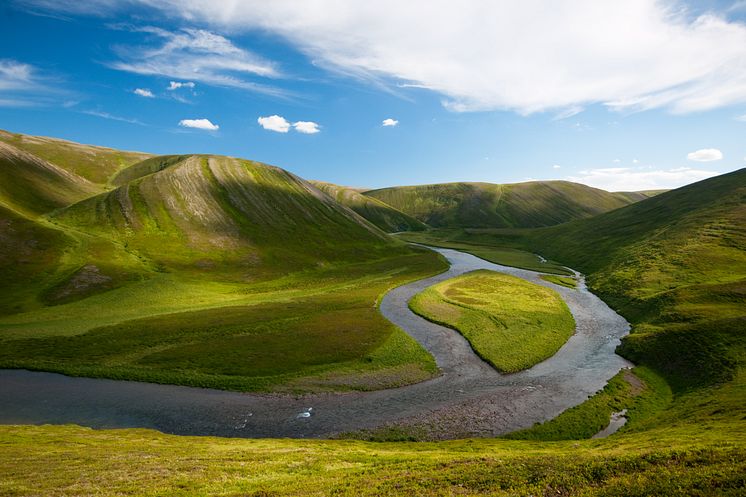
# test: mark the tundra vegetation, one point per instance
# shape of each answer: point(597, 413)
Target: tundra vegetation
point(103, 269)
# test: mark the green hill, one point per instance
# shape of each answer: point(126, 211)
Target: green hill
point(96, 164)
point(201, 270)
point(33, 186)
point(487, 205)
point(220, 211)
point(675, 266)
point(377, 212)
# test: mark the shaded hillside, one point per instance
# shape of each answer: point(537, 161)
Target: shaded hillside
point(674, 265)
point(33, 186)
point(219, 211)
point(146, 167)
point(377, 212)
point(96, 164)
point(486, 205)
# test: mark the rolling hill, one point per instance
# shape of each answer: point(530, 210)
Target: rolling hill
point(175, 255)
point(96, 164)
point(675, 266)
point(33, 186)
point(377, 212)
point(220, 211)
point(486, 205)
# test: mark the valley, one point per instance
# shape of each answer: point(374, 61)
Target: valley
point(221, 297)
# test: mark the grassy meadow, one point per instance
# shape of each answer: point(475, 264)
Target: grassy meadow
point(78, 461)
point(510, 323)
point(197, 270)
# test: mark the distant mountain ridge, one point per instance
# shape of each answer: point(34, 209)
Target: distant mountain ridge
point(486, 205)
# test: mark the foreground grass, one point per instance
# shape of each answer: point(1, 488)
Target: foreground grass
point(509, 322)
point(79, 461)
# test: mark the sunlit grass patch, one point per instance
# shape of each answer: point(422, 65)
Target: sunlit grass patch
point(509, 322)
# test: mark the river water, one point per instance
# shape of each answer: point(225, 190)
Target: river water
point(468, 399)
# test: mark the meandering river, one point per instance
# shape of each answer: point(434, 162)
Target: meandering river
point(469, 398)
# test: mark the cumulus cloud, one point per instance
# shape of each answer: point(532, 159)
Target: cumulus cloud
point(306, 127)
point(199, 55)
point(615, 179)
point(175, 85)
point(144, 92)
point(705, 155)
point(389, 122)
point(199, 124)
point(274, 123)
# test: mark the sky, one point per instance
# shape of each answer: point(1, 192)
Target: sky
point(623, 96)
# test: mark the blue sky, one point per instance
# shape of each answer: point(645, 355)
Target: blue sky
point(618, 95)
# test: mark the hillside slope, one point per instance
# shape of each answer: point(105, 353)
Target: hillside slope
point(675, 266)
point(96, 164)
point(219, 211)
point(33, 186)
point(377, 212)
point(486, 205)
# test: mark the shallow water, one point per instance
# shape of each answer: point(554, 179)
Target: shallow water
point(617, 420)
point(469, 398)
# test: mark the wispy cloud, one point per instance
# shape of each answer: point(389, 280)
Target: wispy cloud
point(175, 85)
point(199, 124)
point(196, 55)
point(23, 85)
point(630, 56)
point(112, 117)
point(616, 179)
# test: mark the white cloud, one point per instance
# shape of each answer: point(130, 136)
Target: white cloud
point(15, 75)
point(635, 161)
point(521, 56)
point(306, 127)
point(144, 92)
point(389, 122)
point(705, 155)
point(617, 179)
point(556, 166)
point(631, 55)
point(199, 124)
point(741, 118)
point(198, 55)
point(175, 85)
point(274, 123)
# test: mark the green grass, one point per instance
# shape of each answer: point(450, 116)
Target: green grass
point(377, 212)
point(79, 461)
point(506, 256)
point(486, 205)
point(96, 164)
point(560, 280)
point(313, 330)
point(510, 323)
point(194, 258)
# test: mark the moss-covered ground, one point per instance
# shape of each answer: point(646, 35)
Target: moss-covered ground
point(509, 322)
